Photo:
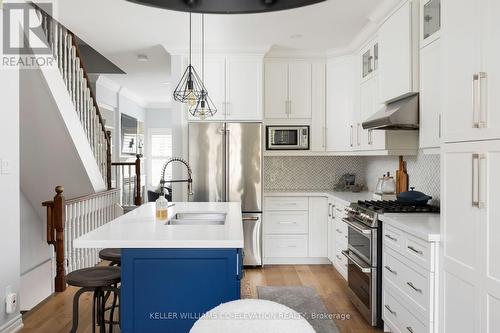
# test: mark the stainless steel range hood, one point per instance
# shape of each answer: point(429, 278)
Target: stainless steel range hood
point(400, 114)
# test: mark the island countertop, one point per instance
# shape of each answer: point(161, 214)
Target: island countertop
point(140, 229)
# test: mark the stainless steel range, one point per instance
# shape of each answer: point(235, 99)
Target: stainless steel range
point(364, 253)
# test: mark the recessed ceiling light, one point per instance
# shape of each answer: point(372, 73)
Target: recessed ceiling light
point(296, 36)
point(142, 58)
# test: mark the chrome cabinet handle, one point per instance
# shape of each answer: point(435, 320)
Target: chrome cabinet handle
point(477, 197)
point(330, 210)
point(390, 270)
point(409, 329)
point(390, 310)
point(357, 264)
point(478, 121)
point(391, 238)
point(333, 213)
point(351, 136)
point(415, 250)
point(324, 137)
point(288, 246)
point(412, 286)
point(287, 222)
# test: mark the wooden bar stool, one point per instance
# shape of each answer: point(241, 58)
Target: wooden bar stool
point(112, 255)
point(99, 280)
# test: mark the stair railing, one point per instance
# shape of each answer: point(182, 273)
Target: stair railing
point(70, 219)
point(127, 176)
point(66, 52)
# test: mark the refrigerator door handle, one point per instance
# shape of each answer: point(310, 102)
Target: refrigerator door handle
point(225, 156)
point(228, 152)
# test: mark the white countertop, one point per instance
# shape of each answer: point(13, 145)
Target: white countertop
point(140, 229)
point(422, 225)
point(346, 197)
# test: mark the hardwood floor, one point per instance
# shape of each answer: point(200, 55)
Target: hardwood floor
point(54, 316)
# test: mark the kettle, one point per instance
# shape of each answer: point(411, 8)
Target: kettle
point(388, 184)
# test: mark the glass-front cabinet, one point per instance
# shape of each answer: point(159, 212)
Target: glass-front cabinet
point(369, 58)
point(431, 19)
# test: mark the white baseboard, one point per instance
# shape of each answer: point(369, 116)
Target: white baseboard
point(296, 261)
point(12, 326)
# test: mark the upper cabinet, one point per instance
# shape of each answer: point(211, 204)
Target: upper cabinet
point(234, 84)
point(369, 60)
point(288, 91)
point(470, 59)
point(398, 52)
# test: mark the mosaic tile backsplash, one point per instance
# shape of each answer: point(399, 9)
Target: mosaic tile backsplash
point(310, 173)
point(423, 171)
point(319, 173)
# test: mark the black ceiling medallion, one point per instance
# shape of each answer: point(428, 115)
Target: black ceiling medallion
point(227, 6)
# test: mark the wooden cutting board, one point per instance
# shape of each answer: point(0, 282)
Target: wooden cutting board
point(402, 177)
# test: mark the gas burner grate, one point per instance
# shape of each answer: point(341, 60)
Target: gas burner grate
point(385, 206)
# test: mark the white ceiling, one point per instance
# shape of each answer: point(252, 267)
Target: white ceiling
point(121, 30)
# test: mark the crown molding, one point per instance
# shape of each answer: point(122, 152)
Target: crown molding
point(159, 105)
point(125, 92)
point(108, 83)
point(277, 52)
point(183, 50)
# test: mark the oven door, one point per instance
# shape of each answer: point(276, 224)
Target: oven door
point(362, 241)
point(362, 282)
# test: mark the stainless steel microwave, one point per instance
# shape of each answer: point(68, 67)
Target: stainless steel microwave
point(287, 137)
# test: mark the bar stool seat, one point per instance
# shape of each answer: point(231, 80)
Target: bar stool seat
point(102, 281)
point(113, 255)
point(94, 277)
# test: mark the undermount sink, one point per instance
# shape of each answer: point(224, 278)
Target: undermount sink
point(197, 219)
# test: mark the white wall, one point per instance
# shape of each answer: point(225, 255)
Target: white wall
point(9, 194)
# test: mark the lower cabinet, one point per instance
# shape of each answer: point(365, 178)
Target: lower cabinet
point(295, 230)
point(409, 282)
point(340, 239)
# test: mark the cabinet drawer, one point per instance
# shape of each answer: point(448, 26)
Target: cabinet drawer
point(392, 238)
point(398, 317)
point(286, 203)
point(413, 281)
point(418, 251)
point(282, 246)
point(293, 222)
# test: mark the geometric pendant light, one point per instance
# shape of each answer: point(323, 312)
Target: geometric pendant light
point(204, 107)
point(189, 89)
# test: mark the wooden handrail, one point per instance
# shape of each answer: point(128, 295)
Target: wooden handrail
point(137, 166)
point(56, 225)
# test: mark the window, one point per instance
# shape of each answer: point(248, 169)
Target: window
point(161, 151)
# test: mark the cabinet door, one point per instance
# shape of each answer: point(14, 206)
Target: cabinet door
point(461, 61)
point(339, 101)
point(362, 139)
point(215, 83)
point(376, 138)
point(299, 83)
point(490, 111)
point(331, 230)
point(244, 88)
point(276, 90)
point(318, 122)
point(430, 95)
point(395, 49)
point(462, 239)
point(318, 227)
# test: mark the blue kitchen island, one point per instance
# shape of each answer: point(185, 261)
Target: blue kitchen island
point(174, 272)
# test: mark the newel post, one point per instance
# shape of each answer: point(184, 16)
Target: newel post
point(138, 198)
point(59, 218)
point(108, 159)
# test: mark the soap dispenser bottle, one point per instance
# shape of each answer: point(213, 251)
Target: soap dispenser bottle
point(162, 207)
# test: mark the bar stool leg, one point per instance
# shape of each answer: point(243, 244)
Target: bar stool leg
point(102, 310)
point(76, 300)
point(112, 312)
point(94, 309)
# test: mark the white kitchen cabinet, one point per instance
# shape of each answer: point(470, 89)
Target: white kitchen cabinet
point(470, 228)
point(299, 85)
point(318, 227)
point(430, 95)
point(340, 230)
point(234, 97)
point(398, 49)
point(243, 88)
point(276, 90)
point(470, 30)
point(288, 90)
point(340, 103)
point(318, 120)
point(331, 230)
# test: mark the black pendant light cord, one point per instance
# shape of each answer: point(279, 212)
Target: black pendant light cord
point(203, 48)
point(190, 38)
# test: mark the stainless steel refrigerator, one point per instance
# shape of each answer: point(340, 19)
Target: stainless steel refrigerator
point(226, 160)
